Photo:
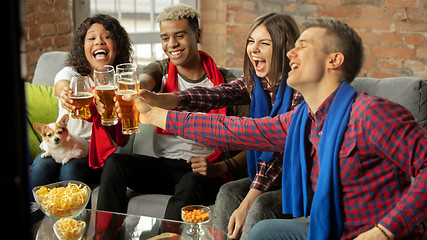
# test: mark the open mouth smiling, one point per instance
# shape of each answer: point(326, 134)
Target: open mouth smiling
point(259, 63)
point(100, 54)
point(176, 53)
point(294, 66)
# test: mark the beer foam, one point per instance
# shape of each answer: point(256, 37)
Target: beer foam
point(81, 96)
point(128, 91)
point(128, 81)
point(105, 87)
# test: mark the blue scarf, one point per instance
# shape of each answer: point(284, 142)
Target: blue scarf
point(325, 216)
point(260, 107)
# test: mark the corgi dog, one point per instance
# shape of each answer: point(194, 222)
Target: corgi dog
point(59, 144)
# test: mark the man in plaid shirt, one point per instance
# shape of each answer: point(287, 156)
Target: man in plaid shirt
point(382, 147)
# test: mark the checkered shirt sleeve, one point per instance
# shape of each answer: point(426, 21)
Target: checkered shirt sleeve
point(199, 99)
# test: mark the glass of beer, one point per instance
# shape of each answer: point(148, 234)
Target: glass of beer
point(127, 67)
point(127, 82)
point(104, 85)
point(81, 96)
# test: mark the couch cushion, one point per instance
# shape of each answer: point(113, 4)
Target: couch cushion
point(48, 65)
point(237, 72)
point(42, 107)
point(410, 92)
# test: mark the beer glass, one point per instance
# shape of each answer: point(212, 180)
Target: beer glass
point(81, 96)
point(127, 67)
point(104, 85)
point(127, 82)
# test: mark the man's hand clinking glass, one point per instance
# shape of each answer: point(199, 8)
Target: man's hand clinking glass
point(148, 114)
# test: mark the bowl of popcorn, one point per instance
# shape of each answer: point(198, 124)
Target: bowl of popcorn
point(69, 229)
point(195, 215)
point(66, 199)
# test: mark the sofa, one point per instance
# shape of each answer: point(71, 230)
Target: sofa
point(410, 92)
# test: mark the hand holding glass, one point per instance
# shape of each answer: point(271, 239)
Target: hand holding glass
point(127, 82)
point(104, 85)
point(81, 96)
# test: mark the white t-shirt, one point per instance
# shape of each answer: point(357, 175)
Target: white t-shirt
point(174, 147)
point(77, 127)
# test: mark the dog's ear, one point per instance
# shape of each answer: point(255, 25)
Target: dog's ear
point(64, 120)
point(39, 127)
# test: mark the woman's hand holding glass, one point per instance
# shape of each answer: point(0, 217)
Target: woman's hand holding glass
point(66, 101)
point(100, 107)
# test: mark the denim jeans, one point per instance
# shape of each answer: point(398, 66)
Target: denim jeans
point(280, 229)
point(46, 170)
point(267, 205)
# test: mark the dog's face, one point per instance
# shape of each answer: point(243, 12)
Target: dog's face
point(53, 132)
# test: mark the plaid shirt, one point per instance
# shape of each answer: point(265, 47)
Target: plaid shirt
point(200, 99)
point(382, 148)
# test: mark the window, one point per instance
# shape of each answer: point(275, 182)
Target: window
point(138, 17)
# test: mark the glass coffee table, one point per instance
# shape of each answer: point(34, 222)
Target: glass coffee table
point(108, 225)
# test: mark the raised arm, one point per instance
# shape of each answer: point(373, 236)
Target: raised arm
point(226, 132)
point(201, 99)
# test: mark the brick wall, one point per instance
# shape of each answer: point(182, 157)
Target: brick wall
point(48, 27)
point(394, 31)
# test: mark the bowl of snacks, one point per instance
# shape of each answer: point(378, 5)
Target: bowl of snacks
point(62, 199)
point(195, 215)
point(69, 229)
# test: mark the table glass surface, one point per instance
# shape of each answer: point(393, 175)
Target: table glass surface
point(107, 225)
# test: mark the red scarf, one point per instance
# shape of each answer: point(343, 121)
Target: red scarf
point(216, 78)
point(101, 146)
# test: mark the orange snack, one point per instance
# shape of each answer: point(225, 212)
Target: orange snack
point(195, 216)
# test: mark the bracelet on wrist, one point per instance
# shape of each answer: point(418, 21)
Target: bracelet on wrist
point(237, 164)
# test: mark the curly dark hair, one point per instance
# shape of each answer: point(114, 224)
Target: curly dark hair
point(77, 58)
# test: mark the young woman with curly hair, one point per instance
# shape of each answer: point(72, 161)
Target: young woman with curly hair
point(117, 34)
point(99, 40)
